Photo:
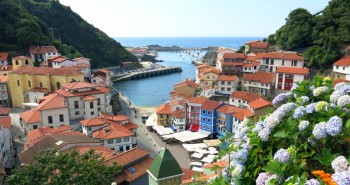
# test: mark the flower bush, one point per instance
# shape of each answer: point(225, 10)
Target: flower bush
point(308, 133)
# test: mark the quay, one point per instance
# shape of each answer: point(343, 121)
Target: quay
point(135, 75)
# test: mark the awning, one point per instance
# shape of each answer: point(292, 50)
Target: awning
point(214, 142)
point(204, 132)
point(191, 147)
point(207, 160)
point(173, 128)
point(187, 136)
point(162, 130)
point(197, 169)
point(194, 127)
point(197, 155)
point(151, 121)
point(196, 164)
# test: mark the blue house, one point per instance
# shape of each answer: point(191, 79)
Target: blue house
point(208, 115)
point(224, 119)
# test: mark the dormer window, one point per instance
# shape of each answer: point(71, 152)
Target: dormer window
point(17, 62)
point(26, 62)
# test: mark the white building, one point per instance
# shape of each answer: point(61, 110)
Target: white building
point(239, 120)
point(227, 84)
point(287, 76)
point(43, 53)
point(4, 58)
point(269, 62)
point(84, 65)
point(60, 61)
point(178, 121)
point(260, 82)
point(4, 92)
point(102, 77)
point(6, 145)
point(341, 68)
point(37, 93)
point(242, 98)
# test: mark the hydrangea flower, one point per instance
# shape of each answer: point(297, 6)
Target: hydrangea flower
point(271, 122)
point(327, 79)
point(320, 90)
point(312, 182)
point(320, 130)
point(224, 172)
point(262, 178)
point(264, 134)
point(339, 86)
point(321, 105)
point(294, 86)
point(334, 126)
point(281, 98)
point(237, 170)
point(310, 108)
point(303, 125)
point(342, 178)
point(340, 164)
point(259, 126)
point(303, 99)
point(343, 101)
point(242, 154)
point(299, 112)
point(282, 155)
point(312, 88)
point(287, 108)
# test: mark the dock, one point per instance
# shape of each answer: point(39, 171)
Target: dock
point(146, 74)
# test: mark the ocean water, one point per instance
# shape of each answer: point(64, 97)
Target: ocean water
point(154, 91)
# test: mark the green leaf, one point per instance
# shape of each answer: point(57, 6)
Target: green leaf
point(281, 134)
point(273, 167)
point(347, 124)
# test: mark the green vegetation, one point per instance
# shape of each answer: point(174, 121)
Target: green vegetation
point(319, 37)
point(47, 22)
point(56, 168)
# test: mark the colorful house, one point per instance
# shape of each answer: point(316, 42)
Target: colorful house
point(208, 115)
point(242, 98)
point(260, 82)
point(193, 112)
point(227, 84)
point(287, 76)
point(164, 115)
point(269, 62)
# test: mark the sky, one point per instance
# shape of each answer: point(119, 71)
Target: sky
point(189, 18)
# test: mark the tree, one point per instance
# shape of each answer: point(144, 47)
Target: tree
point(56, 168)
point(241, 49)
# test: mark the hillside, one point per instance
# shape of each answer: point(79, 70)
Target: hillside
point(321, 37)
point(47, 22)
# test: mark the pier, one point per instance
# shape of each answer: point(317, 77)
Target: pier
point(146, 73)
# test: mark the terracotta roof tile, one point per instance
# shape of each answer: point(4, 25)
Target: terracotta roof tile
point(31, 116)
point(141, 168)
point(58, 59)
point(260, 76)
point(210, 105)
point(105, 152)
point(250, 58)
point(197, 100)
point(81, 58)
point(103, 71)
point(37, 134)
point(189, 174)
point(6, 68)
point(259, 103)
point(93, 122)
point(293, 70)
point(247, 96)
point(112, 131)
point(47, 71)
point(88, 98)
point(39, 89)
point(259, 44)
point(221, 163)
point(5, 122)
point(279, 55)
point(203, 66)
point(42, 49)
point(227, 78)
point(4, 56)
point(178, 114)
point(53, 101)
point(164, 109)
point(234, 55)
point(251, 64)
point(79, 85)
point(21, 58)
point(233, 63)
point(210, 70)
point(115, 117)
point(189, 83)
point(4, 111)
point(98, 90)
point(345, 61)
point(127, 157)
point(245, 113)
point(130, 126)
point(339, 80)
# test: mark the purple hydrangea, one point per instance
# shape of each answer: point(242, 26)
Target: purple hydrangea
point(282, 155)
point(340, 164)
point(342, 178)
point(264, 134)
point(343, 101)
point(320, 130)
point(312, 88)
point(339, 86)
point(334, 126)
point(242, 154)
point(312, 182)
point(271, 122)
point(262, 178)
point(299, 112)
point(280, 98)
point(303, 125)
point(259, 126)
point(287, 108)
point(237, 170)
point(320, 90)
point(304, 99)
point(294, 86)
point(279, 114)
point(335, 96)
point(224, 172)
point(310, 108)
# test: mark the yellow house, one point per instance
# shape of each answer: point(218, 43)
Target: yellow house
point(164, 115)
point(22, 79)
point(21, 61)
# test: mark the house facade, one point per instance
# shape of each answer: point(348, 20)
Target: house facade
point(178, 121)
point(193, 112)
point(85, 67)
point(242, 98)
point(260, 82)
point(227, 84)
point(287, 76)
point(4, 92)
point(233, 63)
point(208, 115)
point(269, 62)
point(257, 46)
point(21, 61)
point(102, 77)
point(6, 141)
point(42, 53)
point(164, 115)
point(341, 68)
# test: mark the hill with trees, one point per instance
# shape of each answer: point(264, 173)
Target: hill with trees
point(47, 22)
point(320, 37)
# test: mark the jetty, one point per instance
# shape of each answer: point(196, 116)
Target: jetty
point(135, 75)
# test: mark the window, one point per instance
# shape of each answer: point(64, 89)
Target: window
point(29, 83)
point(35, 126)
point(161, 116)
point(222, 88)
point(228, 83)
point(118, 140)
point(50, 119)
point(127, 147)
point(121, 148)
point(337, 67)
point(92, 112)
point(207, 77)
point(98, 101)
point(126, 139)
point(18, 83)
point(294, 63)
point(58, 85)
point(203, 111)
point(17, 62)
point(343, 68)
point(76, 104)
point(228, 89)
point(26, 62)
point(203, 119)
point(206, 83)
point(76, 112)
point(282, 62)
point(110, 141)
point(91, 105)
point(61, 118)
point(41, 84)
point(99, 109)
point(280, 75)
point(209, 112)
point(272, 62)
point(222, 83)
point(209, 119)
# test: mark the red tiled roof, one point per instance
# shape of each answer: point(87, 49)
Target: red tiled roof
point(188, 175)
point(4, 111)
point(104, 151)
point(81, 58)
point(3, 78)
point(211, 70)
point(98, 90)
point(203, 66)
point(4, 56)
point(37, 134)
point(79, 85)
point(197, 100)
point(250, 58)
point(89, 98)
point(210, 105)
point(115, 117)
point(259, 103)
point(178, 114)
point(260, 76)
point(247, 96)
point(39, 89)
point(345, 61)
point(112, 131)
point(103, 71)
point(42, 49)
point(279, 55)
point(127, 157)
point(21, 58)
point(52, 101)
point(245, 113)
point(58, 59)
point(234, 55)
point(258, 44)
point(164, 109)
point(251, 64)
point(93, 122)
point(141, 168)
point(227, 109)
point(339, 80)
point(47, 71)
point(31, 116)
point(82, 65)
point(293, 70)
point(5, 122)
point(187, 83)
point(130, 126)
point(221, 163)
point(227, 78)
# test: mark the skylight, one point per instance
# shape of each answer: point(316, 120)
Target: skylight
point(131, 169)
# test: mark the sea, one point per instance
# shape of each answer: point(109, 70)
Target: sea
point(154, 91)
